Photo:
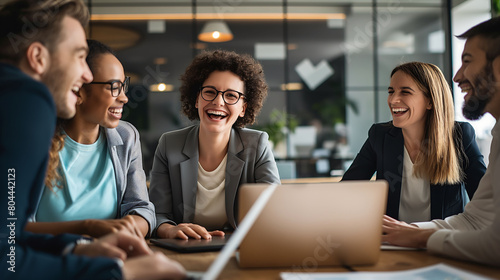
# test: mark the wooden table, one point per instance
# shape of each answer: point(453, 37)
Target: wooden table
point(316, 180)
point(403, 260)
point(311, 180)
point(388, 261)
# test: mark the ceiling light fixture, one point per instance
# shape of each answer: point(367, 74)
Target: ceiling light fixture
point(215, 31)
point(161, 87)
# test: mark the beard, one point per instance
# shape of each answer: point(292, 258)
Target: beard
point(56, 80)
point(483, 90)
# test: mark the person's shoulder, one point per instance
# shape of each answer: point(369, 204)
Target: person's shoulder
point(249, 131)
point(13, 80)
point(384, 127)
point(465, 131)
point(251, 135)
point(464, 125)
point(125, 128)
point(183, 132)
point(14, 77)
point(176, 139)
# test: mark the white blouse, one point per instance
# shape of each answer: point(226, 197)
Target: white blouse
point(210, 209)
point(415, 200)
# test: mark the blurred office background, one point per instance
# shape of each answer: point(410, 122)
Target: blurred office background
point(327, 63)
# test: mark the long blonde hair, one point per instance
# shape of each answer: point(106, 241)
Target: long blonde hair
point(440, 156)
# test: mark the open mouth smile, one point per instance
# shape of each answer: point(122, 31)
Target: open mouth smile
point(116, 112)
point(216, 115)
point(399, 111)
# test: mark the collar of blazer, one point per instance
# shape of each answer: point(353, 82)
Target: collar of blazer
point(236, 165)
point(113, 138)
point(392, 130)
point(235, 143)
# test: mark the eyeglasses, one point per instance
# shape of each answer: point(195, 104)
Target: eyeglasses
point(116, 86)
point(230, 97)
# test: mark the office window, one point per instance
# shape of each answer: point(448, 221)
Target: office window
point(326, 65)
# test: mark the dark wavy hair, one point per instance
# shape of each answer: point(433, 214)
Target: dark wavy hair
point(244, 66)
point(489, 31)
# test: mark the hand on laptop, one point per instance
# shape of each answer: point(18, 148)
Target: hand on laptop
point(403, 234)
point(186, 231)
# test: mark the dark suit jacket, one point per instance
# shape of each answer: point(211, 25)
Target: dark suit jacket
point(383, 153)
point(175, 172)
point(27, 123)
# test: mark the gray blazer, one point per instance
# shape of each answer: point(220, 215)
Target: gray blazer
point(125, 149)
point(175, 172)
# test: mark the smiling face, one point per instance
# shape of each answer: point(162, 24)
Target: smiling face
point(470, 78)
point(216, 116)
point(407, 102)
point(96, 105)
point(68, 70)
point(476, 78)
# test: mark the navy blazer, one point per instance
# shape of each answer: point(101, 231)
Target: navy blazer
point(27, 123)
point(175, 172)
point(383, 153)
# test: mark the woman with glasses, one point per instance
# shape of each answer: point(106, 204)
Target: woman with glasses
point(197, 170)
point(95, 182)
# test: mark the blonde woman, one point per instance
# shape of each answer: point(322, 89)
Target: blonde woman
point(432, 163)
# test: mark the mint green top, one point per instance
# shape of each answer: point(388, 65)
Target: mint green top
point(88, 185)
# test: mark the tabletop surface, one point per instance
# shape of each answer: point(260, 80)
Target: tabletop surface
point(391, 260)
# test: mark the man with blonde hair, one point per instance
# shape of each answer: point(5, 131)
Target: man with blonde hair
point(42, 65)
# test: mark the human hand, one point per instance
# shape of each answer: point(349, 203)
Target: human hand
point(115, 245)
point(186, 231)
point(156, 266)
point(390, 221)
point(98, 228)
point(402, 234)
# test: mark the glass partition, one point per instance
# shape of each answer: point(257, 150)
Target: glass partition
point(327, 64)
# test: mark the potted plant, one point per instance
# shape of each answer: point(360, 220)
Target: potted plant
point(279, 125)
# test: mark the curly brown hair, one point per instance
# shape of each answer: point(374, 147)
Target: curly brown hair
point(243, 65)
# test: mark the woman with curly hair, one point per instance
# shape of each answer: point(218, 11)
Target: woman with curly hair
point(197, 170)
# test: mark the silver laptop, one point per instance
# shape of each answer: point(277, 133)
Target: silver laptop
point(232, 244)
point(310, 225)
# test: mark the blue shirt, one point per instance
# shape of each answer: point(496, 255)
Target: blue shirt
point(88, 185)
